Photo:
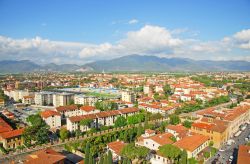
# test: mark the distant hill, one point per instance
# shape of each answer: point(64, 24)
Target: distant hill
point(130, 63)
point(153, 63)
point(11, 66)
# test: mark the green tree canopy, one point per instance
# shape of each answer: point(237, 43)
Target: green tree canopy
point(120, 121)
point(64, 133)
point(174, 119)
point(170, 151)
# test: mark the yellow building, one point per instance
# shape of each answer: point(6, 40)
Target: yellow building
point(216, 130)
point(11, 139)
point(2, 102)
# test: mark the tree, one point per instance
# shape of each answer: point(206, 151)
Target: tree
point(183, 159)
point(206, 154)
point(87, 154)
point(86, 122)
point(170, 151)
point(131, 151)
point(187, 124)
point(64, 133)
point(101, 160)
point(192, 161)
point(71, 102)
point(110, 158)
point(120, 121)
point(174, 119)
point(167, 90)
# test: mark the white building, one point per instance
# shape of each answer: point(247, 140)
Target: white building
point(68, 111)
point(62, 99)
point(193, 144)
point(146, 89)
point(44, 98)
point(106, 118)
point(85, 100)
point(128, 96)
point(116, 148)
point(51, 118)
point(88, 110)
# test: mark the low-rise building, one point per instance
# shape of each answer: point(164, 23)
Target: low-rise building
point(12, 139)
point(116, 148)
point(51, 118)
point(85, 100)
point(88, 110)
point(193, 144)
point(68, 111)
point(243, 154)
point(106, 118)
point(47, 155)
point(28, 99)
point(178, 131)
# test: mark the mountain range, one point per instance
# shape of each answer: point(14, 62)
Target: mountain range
point(130, 63)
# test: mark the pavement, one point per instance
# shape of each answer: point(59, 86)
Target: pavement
point(222, 157)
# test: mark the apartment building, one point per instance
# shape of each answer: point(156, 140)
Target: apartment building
point(216, 130)
point(62, 99)
point(84, 110)
point(154, 141)
point(128, 96)
point(11, 139)
point(106, 118)
point(68, 111)
point(51, 118)
point(28, 99)
point(44, 98)
point(85, 100)
point(193, 144)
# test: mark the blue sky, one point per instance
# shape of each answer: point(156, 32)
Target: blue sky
point(94, 30)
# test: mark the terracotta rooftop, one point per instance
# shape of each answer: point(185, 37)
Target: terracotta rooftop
point(243, 154)
point(4, 126)
point(162, 139)
point(46, 156)
point(66, 108)
point(116, 146)
point(103, 114)
point(190, 143)
point(49, 113)
point(11, 134)
point(87, 108)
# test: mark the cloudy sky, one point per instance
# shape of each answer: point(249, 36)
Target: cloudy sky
point(78, 32)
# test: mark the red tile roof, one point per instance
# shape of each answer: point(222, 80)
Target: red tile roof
point(66, 108)
point(116, 146)
point(87, 108)
point(49, 113)
point(11, 134)
point(190, 143)
point(4, 126)
point(243, 154)
point(162, 139)
point(46, 156)
point(103, 114)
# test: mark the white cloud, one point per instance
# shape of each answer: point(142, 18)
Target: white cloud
point(133, 21)
point(149, 40)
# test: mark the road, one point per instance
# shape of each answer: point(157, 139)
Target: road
point(223, 156)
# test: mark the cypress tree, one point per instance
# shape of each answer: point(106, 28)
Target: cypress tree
point(110, 158)
point(101, 160)
point(87, 155)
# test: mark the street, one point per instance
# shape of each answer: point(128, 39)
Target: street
point(232, 150)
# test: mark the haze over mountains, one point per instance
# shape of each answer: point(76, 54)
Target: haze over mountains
point(131, 63)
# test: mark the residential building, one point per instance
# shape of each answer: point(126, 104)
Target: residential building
point(62, 99)
point(243, 154)
point(47, 155)
point(106, 118)
point(11, 139)
point(155, 141)
point(88, 110)
point(116, 148)
point(85, 100)
point(28, 99)
point(128, 96)
point(2, 103)
point(68, 111)
point(178, 131)
point(51, 118)
point(44, 98)
point(193, 144)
